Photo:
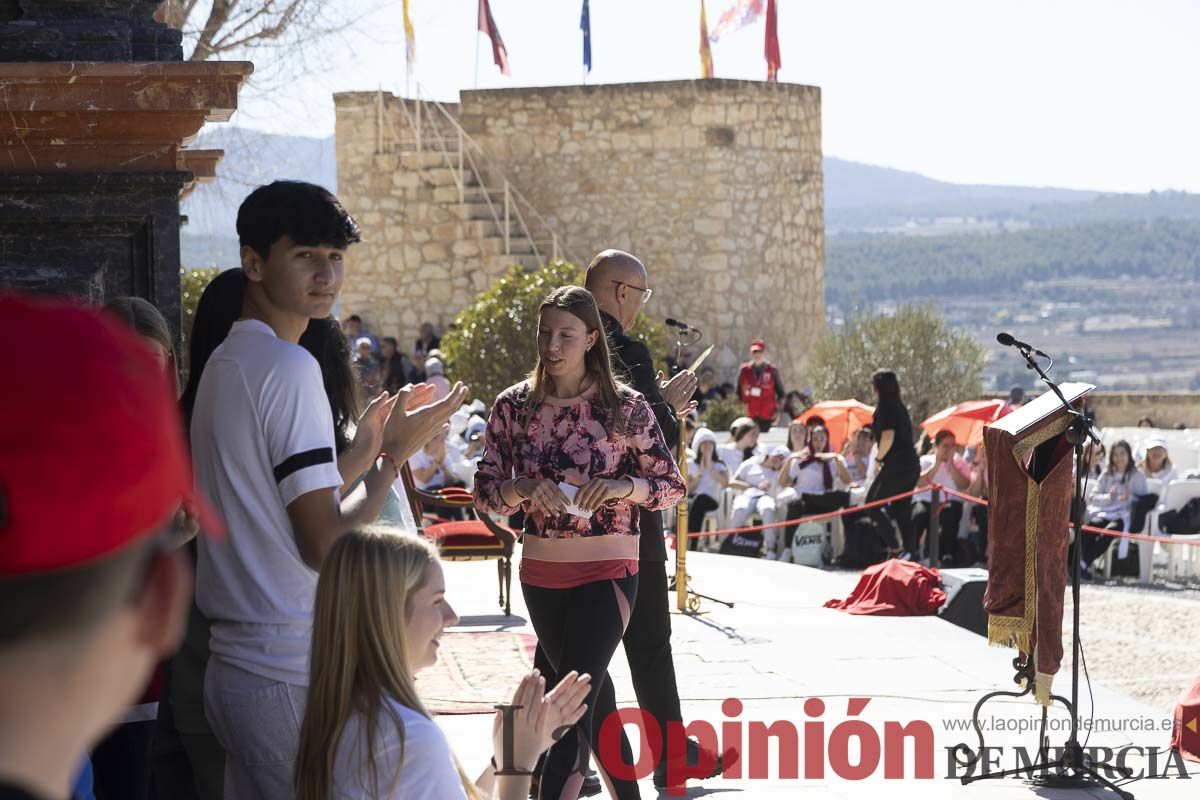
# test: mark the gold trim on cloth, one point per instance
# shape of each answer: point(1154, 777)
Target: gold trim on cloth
point(1017, 632)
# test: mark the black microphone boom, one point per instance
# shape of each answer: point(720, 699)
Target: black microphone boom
point(1008, 340)
point(683, 326)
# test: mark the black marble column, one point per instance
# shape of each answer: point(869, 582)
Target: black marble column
point(70, 230)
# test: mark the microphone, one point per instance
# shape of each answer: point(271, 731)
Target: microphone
point(1008, 340)
point(683, 326)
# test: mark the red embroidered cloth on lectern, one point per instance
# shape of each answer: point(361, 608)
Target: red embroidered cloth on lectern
point(1031, 472)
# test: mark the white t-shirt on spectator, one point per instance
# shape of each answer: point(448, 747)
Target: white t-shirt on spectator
point(422, 460)
point(707, 484)
point(1165, 475)
point(733, 455)
point(262, 435)
point(428, 771)
point(811, 478)
point(943, 476)
point(860, 470)
point(753, 471)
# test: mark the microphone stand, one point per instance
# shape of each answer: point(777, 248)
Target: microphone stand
point(1071, 769)
point(687, 600)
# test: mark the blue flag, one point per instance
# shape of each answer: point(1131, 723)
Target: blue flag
point(585, 25)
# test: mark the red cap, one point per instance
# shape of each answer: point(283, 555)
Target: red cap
point(92, 450)
point(757, 345)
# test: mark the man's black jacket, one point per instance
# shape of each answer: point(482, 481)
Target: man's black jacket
point(633, 364)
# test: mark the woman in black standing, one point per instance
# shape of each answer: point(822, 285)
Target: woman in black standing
point(896, 464)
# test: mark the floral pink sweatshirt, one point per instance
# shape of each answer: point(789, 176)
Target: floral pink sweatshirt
point(573, 441)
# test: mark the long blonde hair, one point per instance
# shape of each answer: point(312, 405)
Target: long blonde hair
point(359, 658)
point(580, 303)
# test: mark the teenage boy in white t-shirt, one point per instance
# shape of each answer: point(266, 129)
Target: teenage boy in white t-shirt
point(263, 450)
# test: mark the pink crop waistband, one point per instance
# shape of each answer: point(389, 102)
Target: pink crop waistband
point(582, 548)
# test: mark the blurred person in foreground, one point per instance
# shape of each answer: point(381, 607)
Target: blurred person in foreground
point(93, 590)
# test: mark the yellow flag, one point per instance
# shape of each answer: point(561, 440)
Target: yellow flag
point(706, 62)
point(410, 38)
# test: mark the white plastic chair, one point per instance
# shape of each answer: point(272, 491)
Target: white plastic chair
point(1179, 556)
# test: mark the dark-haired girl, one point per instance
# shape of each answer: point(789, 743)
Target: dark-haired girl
point(896, 463)
point(814, 480)
point(572, 428)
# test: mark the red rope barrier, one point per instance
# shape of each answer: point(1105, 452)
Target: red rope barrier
point(841, 512)
point(1143, 537)
point(950, 493)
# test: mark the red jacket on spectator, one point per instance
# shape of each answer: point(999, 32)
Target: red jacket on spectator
point(759, 393)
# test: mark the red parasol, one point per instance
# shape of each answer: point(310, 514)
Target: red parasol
point(965, 420)
point(842, 418)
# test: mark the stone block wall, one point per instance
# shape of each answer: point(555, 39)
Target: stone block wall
point(716, 185)
point(417, 262)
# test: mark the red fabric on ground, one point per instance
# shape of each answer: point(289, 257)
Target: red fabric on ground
point(1186, 738)
point(895, 588)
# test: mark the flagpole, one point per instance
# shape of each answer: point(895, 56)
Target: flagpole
point(476, 45)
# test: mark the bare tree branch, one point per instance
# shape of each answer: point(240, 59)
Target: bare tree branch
point(218, 16)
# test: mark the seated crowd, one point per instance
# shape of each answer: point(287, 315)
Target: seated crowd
point(740, 483)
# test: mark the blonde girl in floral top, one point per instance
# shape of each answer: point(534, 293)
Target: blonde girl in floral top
point(572, 423)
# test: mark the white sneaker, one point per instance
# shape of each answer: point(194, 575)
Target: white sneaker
point(771, 555)
point(787, 555)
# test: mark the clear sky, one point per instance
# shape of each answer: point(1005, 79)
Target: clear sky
point(1089, 94)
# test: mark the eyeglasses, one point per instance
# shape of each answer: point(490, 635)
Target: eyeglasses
point(645, 292)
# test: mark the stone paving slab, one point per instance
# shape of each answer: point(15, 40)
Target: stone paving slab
point(779, 647)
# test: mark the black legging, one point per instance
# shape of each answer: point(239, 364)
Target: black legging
point(889, 482)
point(698, 506)
point(949, 519)
point(1094, 544)
point(579, 629)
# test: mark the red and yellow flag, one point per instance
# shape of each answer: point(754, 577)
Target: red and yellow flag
point(706, 62)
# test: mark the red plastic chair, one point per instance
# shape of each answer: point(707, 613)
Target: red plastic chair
point(476, 539)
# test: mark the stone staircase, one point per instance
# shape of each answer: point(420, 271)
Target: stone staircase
point(477, 213)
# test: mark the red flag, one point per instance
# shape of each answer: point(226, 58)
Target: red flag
point(706, 62)
point(771, 50)
point(488, 25)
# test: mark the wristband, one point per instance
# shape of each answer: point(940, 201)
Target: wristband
point(632, 489)
point(517, 492)
point(383, 454)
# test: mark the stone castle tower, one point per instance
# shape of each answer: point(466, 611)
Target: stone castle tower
point(715, 185)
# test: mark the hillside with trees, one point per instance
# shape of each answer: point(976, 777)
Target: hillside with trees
point(865, 268)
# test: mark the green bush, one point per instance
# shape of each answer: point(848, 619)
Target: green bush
point(720, 413)
point(937, 365)
point(493, 343)
point(192, 283)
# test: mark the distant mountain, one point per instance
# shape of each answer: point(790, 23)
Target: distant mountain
point(862, 197)
point(865, 268)
point(252, 158)
point(850, 184)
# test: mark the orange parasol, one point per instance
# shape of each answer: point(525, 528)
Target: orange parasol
point(842, 418)
point(965, 420)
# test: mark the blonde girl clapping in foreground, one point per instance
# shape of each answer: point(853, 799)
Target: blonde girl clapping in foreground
point(380, 611)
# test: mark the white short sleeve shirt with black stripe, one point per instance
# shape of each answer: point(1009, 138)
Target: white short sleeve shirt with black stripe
point(262, 435)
